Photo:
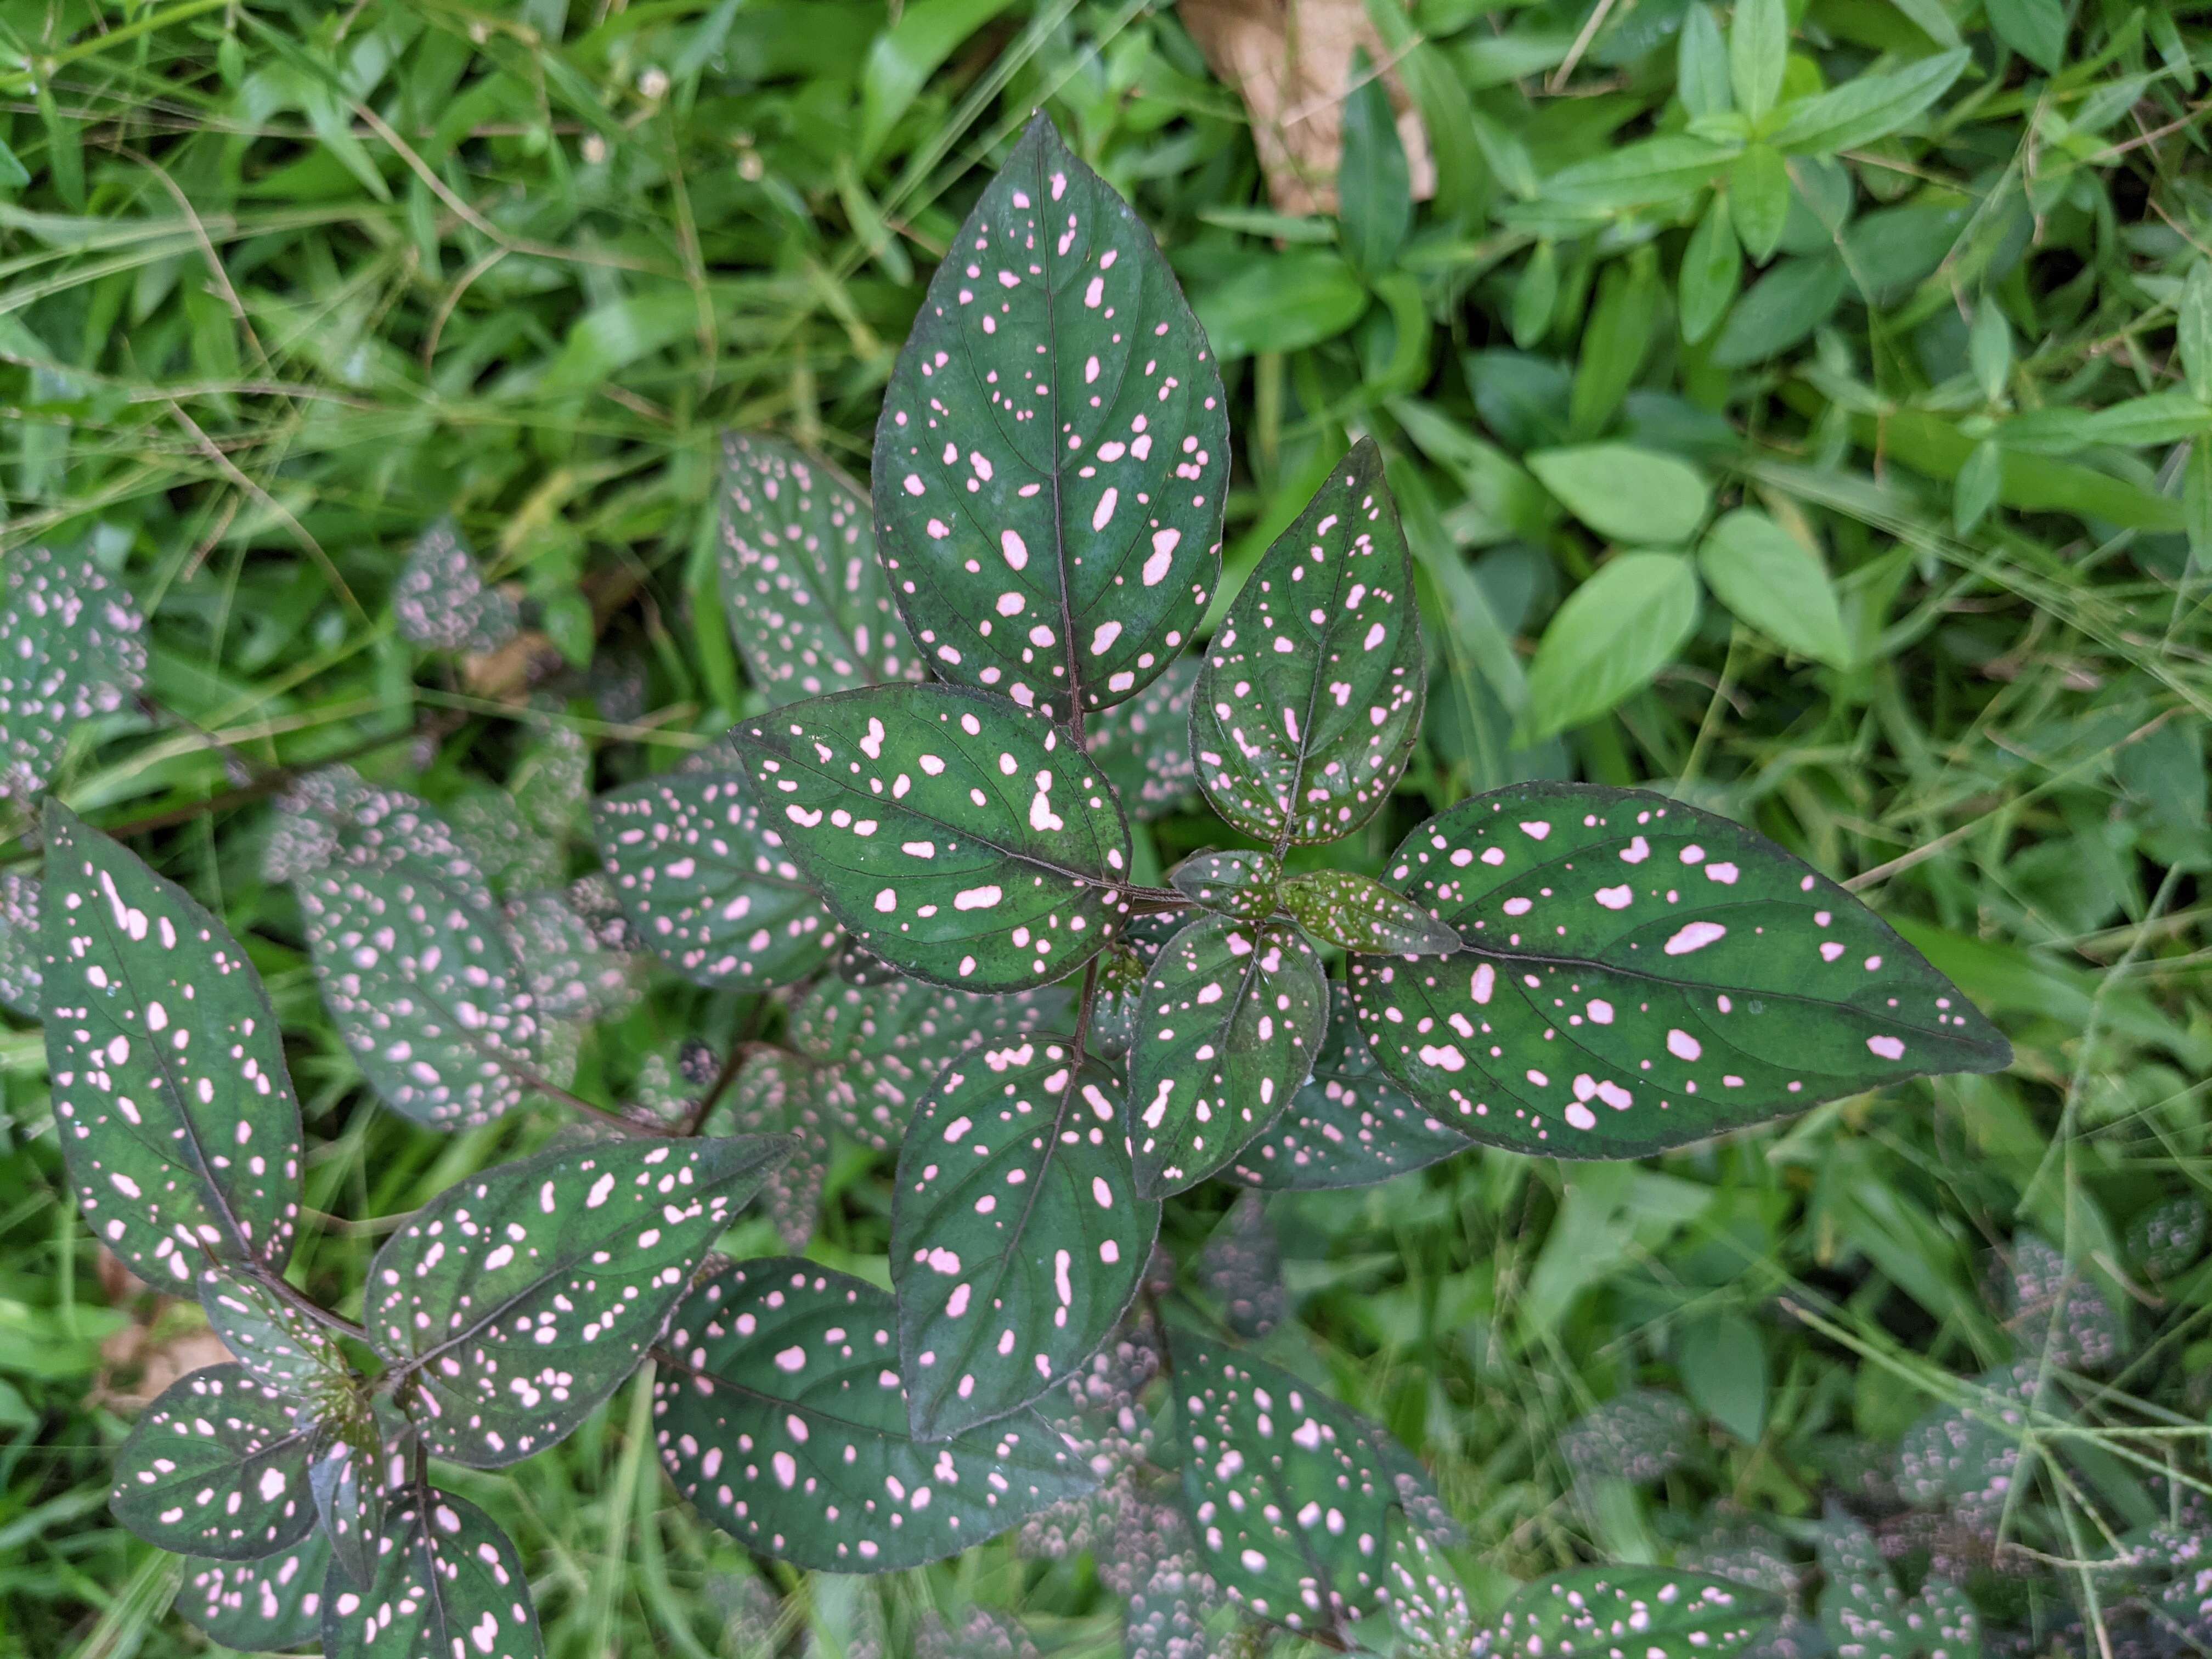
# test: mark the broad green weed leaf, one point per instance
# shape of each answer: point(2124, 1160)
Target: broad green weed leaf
point(1721, 1359)
point(1282, 301)
point(1759, 196)
point(1759, 47)
point(1637, 496)
point(709, 884)
point(172, 1101)
point(1701, 65)
point(1349, 1125)
point(267, 1334)
point(218, 1467)
point(448, 1585)
point(1777, 584)
point(957, 836)
point(439, 600)
point(780, 1414)
point(1870, 107)
point(71, 648)
point(876, 1049)
point(1374, 186)
point(1356, 912)
point(1642, 174)
point(1609, 640)
point(269, 1605)
point(1639, 973)
point(514, 1303)
point(1230, 1018)
point(1053, 456)
point(1017, 1235)
point(1310, 700)
point(1142, 745)
point(808, 604)
point(412, 952)
point(1712, 267)
point(22, 980)
point(1234, 884)
point(1283, 1488)
point(1652, 1612)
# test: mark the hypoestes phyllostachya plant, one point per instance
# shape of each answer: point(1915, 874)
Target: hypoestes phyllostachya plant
point(924, 847)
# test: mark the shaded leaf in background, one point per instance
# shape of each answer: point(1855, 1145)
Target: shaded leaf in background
point(2167, 1238)
point(1777, 585)
point(1622, 948)
point(777, 1094)
point(1625, 494)
point(1861, 1610)
point(71, 648)
point(171, 1096)
point(218, 1468)
point(1142, 745)
point(1052, 461)
point(448, 1581)
point(1722, 1363)
point(1282, 302)
point(1241, 1269)
point(1375, 185)
point(1635, 1436)
point(439, 600)
point(266, 1606)
point(783, 1418)
point(21, 978)
point(1654, 1612)
point(1609, 640)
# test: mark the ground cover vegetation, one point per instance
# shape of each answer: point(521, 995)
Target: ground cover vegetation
point(1060, 1034)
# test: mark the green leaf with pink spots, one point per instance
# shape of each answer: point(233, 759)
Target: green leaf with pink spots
point(1311, 696)
point(781, 1415)
point(267, 1334)
point(218, 1467)
point(1016, 1233)
point(1357, 913)
point(1655, 1613)
point(72, 647)
point(448, 1582)
point(514, 1303)
point(712, 889)
point(1638, 973)
point(1053, 456)
point(172, 1102)
point(809, 604)
point(955, 836)
point(267, 1606)
point(1227, 1026)
point(1241, 883)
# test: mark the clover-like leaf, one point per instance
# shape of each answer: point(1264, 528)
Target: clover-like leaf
point(877, 1048)
point(1349, 1125)
point(1282, 1487)
point(1053, 456)
point(1231, 1018)
point(959, 838)
point(1638, 973)
point(72, 648)
point(413, 956)
point(709, 884)
point(448, 1583)
point(1142, 745)
point(440, 601)
point(1311, 696)
point(218, 1467)
point(808, 603)
point(1355, 913)
point(1635, 1613)
point(174, 1109)
point(1017, 1235)
point(266, 1333)
point(514, 1302)
point(22, 980)
point(267, 1606)
point(781, 1415)
point(1240, 884)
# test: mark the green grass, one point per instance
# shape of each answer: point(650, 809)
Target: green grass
point(281, 284)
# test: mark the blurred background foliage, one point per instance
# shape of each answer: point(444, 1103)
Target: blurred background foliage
point(1802, 408)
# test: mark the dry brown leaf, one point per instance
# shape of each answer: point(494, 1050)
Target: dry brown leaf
point(1291, 62)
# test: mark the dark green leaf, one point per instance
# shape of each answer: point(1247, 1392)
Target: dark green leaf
point(1868, 106)
point(1142, 745)
point(1638, 496)
point(71, 648)
point(266, 1333)
point(1373, 186)
point(1609, 640)
point(1777, 584)
point(1782, 308)
point(1988, 349)
point(1017, 1235)
point(1641, 973)
point(1349, 1126)
point(1283, 1488)
point(1722, 1361)
point(439, 600)
point(1650, 1612)
point(218, 1467)
point(267, 1606)
point(957, 836)
point(1312, 697)
point(21, 979)
point(1975, 490)
point(448, 1583)
point(781, 1416)
point(566, 965)
point(1355, 913)
point(712, 888)
point(1230, 1018)
point(515, 1302)
point(1241, 1269)
point(1758, 195)
point(1615, 342)
point(1285, 301)
point(1053, 451)
point(810, 607)
point(1235, 884)
point(174, 1109)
